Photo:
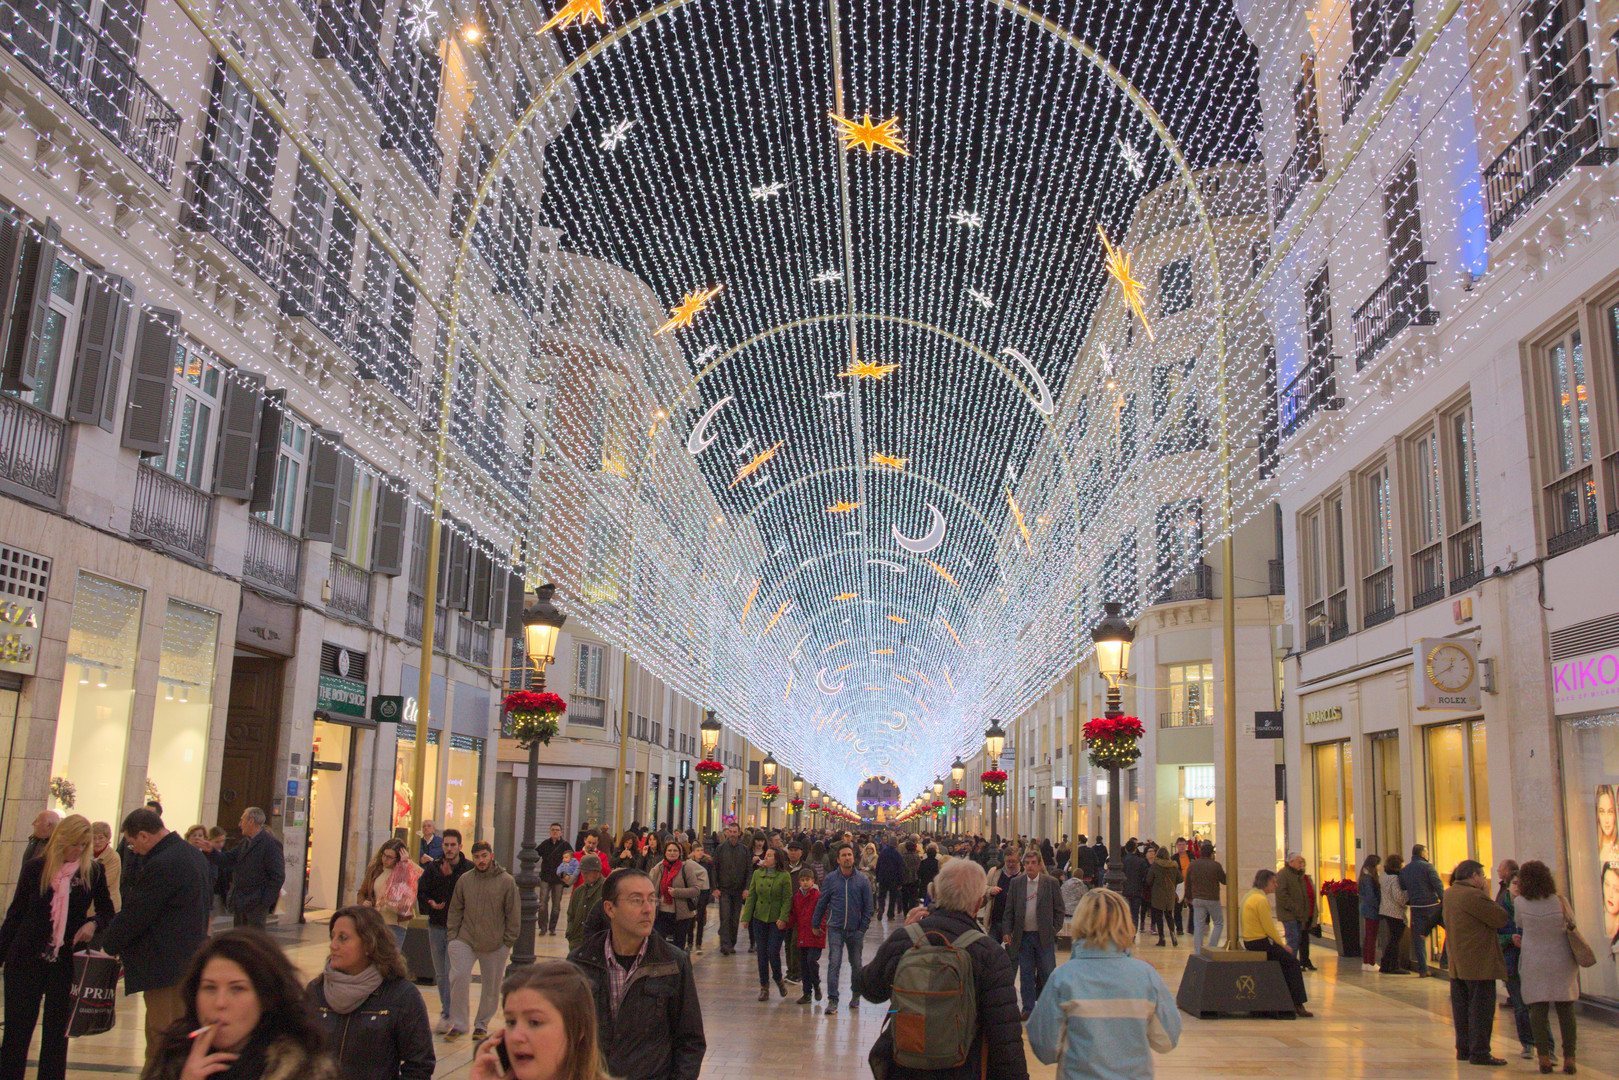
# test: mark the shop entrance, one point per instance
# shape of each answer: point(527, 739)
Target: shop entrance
point(252, 720)
point(331, 794)
point(1387, 835)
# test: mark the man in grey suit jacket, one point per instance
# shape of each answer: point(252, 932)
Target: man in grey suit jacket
point(1030, 922)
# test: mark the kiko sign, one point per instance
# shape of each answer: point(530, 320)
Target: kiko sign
point(1586, 683)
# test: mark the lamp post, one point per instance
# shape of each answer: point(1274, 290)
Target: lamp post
point(1113, 637)
point(798, 797)
point(994, 743)
point(767, 777)
point(541, 623)
point(938, 793)
point(815, 797)
point(958, 772)
point(709, 730)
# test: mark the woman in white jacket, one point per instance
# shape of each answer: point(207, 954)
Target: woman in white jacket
point(1391, 911)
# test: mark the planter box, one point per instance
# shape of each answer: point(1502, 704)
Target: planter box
point(1346, 923)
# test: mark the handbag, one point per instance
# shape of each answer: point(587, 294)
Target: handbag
point(1577, 944)
point(95, 993)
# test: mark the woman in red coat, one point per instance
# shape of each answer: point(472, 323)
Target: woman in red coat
point(811, 938)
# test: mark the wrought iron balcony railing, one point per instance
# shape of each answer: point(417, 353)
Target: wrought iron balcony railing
point(171, 512)
point(316, 291)
point(218, 203)
point(1386, 31)
point(1175, 718)
point(351, 590)
point(31, 442)
point(272, 556)
point(1401, 301)
point(1278, 579)
point(1338, 614)
point(415, 611)
point(1378, 596)
point(1428, 575)
point(1196, 584)
point(93, 74)
point(1304, 166)
point(1467, 558)
point(1564, 133)
point(1571, 512)
point(1315, 625)
point(1311, 391)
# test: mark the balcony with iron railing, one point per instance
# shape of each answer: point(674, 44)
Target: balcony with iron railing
point(1338, 615)
point(587, 710)
point(1196, 584)
point(1177, 718)
point(1467, 558)
point(1315, 625)
point(1304, 166)
point(171, 513)
point(482, 646)
point(94, 74)
point(1387, 31)
point(463, 638)
point(343, 33)
point(31, 443)
point(350, 590)
point(415, 611)
point(1377, 597)
point(1571, 512)
point(1401, 301)
point(1278, 578)
point(1564, 130)
point(384, 354)
point(1428, 575)
point(272, 557)
point(1312, 390)
point(441, 628)
point(312, 290)
point(236, 215)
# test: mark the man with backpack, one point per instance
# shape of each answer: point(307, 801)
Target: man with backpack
point(951, 988)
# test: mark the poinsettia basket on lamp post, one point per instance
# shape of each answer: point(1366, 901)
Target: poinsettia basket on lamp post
point(531, 718)
point(994, 782)
point(710, 773)
point(1115, 741)
point(768, 795)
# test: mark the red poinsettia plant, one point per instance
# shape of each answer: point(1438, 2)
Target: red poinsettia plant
point(993, 782)
point(531, 718)
point(1104, 728)
point(957, 794)
point(796, 804)
point(1346, 887)
point(814, 806)
point(769, 794)
point(710, 773)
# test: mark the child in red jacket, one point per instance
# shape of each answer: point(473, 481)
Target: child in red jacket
point(811, 939)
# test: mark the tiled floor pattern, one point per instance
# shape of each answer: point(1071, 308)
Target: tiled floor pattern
point(1366, 1025)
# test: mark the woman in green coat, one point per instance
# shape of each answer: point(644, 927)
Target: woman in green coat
point(1163, 874)
point(767, 911)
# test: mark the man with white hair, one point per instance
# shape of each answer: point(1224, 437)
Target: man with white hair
point(45, 823)
point(959, 892)
point(258, 874)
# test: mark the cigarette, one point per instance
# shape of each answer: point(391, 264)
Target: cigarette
point(199, 1031)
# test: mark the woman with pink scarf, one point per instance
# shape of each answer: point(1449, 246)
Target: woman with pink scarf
point(390, 887)
point(48, 918)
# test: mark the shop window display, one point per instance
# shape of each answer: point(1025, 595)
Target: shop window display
point(1458, 795)
point(92, 726)
point(405, 774)
point(1590, 746)
point(183, 713)
point(462, 786)
point(1334, 816)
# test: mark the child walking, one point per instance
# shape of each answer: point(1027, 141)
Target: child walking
point(811, 939)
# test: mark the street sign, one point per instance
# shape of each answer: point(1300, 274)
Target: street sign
point(387, 708)
point(1267, 725)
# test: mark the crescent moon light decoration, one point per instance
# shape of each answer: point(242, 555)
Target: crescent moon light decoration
point(933, 538)
point(826, 687)
point(893, 567)
point(1045, 404)
point(695, 442)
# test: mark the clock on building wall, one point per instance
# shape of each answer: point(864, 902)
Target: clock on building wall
point(1448, 672)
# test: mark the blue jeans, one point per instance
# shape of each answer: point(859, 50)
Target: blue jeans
point(1036, 960)
point(837, 942)
point(767, 946)
point(438, 943)
point(1203, 913)
point(1293, 931)
point(1423, 920)
point(399, 930)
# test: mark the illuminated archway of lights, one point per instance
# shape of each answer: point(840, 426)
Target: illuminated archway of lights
point(788, 343)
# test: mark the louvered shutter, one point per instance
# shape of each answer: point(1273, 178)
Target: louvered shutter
point(268, 450)
point(344, 509)
point(455, 587)
point(495, 613)
point(388, 549)
point(33, 301)
point(241, 416)
point(325, 476)
point(418, 552)
point(11, 238)
point(514, 604)
point(103, 334)
point(151, 381)
point(482, 576)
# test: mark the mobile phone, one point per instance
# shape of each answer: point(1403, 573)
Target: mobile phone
point(505, 1061)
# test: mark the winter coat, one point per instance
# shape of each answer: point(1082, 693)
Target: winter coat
point(926, 870)
point(806, 933)
point(1471, 920)
point(258, 874)
point(553, 853)
point(387, 1037)
point(1165, 875)
point(1103, 1006)
point(688, 885)
point(164, 917)
point(1000, 1027)
point(1371, 895)
point(1085, 859)
point(997, 903)
point(1391, 898)
point(1136, 873)
point(770, 896)
point(733, 865)
point(1292, 895)
point(585, 902)
point(1203, 879)
point(25, 936)
point(1421, 883)
point(657, 1033)
point(912, 861)
point(1546, 967)
point(439, 887)
point(1048, 906)
point(846, 903)
point(113, 867)
point(483, 913)
point(890, 867)
point(283, 1059)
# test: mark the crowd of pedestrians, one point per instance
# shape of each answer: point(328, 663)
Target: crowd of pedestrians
point(968, 966)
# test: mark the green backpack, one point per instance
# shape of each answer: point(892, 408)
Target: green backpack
point(934, 1002)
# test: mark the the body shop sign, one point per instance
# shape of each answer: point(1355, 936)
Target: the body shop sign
point(1586, 683)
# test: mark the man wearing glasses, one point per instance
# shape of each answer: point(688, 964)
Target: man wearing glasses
point(650, 1023)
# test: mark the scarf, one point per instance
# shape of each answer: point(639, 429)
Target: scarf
point(61, 893)
point(670, 872)
point(344, 992)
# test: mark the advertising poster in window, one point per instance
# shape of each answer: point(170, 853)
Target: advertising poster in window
point(1591, 772)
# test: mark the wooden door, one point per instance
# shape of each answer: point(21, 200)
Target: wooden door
point(252, 721)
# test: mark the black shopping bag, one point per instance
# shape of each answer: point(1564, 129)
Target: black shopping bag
point(95, 993)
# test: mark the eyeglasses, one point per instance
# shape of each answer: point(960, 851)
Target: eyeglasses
point(637, 901)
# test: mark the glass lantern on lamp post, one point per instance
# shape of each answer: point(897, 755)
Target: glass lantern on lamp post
point(767, 779)
point(994, 743)
point(958, 772)
point(1113, 637)
point(709, 730)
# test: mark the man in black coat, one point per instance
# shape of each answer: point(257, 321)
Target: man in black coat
point(163, 920)
point(997, 1048)
point(733, 868)
point(552, 851)
point(654, 1030)
point(1085, 859)
point(257, 872)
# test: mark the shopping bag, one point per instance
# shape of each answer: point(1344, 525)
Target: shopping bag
point(95, 993)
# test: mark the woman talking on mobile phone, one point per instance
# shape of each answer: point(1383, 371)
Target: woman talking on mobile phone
point(550, 1028)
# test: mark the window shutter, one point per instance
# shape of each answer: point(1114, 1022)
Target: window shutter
point(11, 238)
point(325, 475)
point(495, 613)
point(103, 334)
point(151, 381)
point(482, 577)
point(388, 549)
point(455, 575)
point(241, 415)
point(30, 307)
point(262, 490)
point(344, 508)
point(514, 604)
point(418, 552)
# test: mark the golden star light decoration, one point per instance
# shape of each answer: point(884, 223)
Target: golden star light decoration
point(1118, 268)
point(690, 307)
point(865, 369)
point(756, 464)
point(890, 460)
point(842, 507)
point(580, 11)
point(871, 136)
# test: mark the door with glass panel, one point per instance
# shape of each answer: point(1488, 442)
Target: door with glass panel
point(1387, 837)
point(1334, 816)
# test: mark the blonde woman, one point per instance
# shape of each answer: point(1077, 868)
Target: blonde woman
point(1103, 1005)
point(49, 916)
point(390, 887)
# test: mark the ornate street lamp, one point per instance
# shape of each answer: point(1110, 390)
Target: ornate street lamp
point(542, 622)
point(1113, 638)
point(958, 773)
point(994, 743)
point(709, 731)
point(815, 797)
point(767, 778)
point(798, 797)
